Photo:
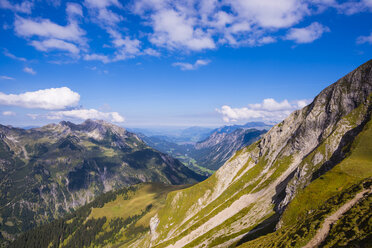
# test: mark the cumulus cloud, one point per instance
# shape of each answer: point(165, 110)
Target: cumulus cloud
point(49, 44)
point(101, 13)
point(9, 113)
point(307, 34)
point(46, 29)
point(24, 7)
point(127, 47)
point(365, 39)
point(7, 77)
point(29, 70)
point(269, 110)
point(175, 29)
point(270, 14)
point(45, 35)
point(86, 114)
point(353, 7)
point(99, 57)
point(188, 66)
point(73, 10)
point(51, 99)
point(199, 25)
point(180, 25)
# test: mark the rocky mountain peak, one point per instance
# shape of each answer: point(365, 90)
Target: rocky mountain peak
point(97, 128)
point(304, 129)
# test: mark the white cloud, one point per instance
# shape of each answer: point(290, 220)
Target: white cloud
point(24, 7)
point(99, 57)
point(368, 3)
point(192, 25)
point(12, 56)
point(74, 10)
point(127, 47)
point(101, 3)
point(266, 40)
point(188, 66)
point(270, 14)
point(9, 113)
point(198, 25)
point(46, 29)
point(176, 30)
point(50, 44)
point(53, 98)
point(101, 14)
point(86, 114)
point(7, 77)
point(268, 110)
point(307, 34)
point(151, 52)
point(29, 70)
point(365, 39)
point(353, 7)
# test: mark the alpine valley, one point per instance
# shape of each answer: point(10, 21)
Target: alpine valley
point(211, 150)
point(307, 182)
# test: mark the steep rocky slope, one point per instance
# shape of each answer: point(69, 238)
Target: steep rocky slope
point(46, 172)
point(319, 154)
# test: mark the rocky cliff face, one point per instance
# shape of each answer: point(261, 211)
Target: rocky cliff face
point(49, 171)
point(314, 145)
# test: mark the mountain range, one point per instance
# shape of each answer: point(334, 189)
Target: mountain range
point(50, 171)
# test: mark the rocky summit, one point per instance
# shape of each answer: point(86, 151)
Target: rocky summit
point(49, 171)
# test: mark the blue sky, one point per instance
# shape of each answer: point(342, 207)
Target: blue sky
point(148, 63)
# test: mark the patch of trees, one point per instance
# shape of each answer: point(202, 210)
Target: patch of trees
point(76, 230)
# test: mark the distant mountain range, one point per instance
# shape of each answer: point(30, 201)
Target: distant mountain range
point(212, 149)
point(175, 135)
point(49, 171)
point(193, 134)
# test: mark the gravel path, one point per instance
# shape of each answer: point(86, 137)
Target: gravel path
point(322, 233)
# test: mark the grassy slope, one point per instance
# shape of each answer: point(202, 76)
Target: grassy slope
point(251, 182)
point(113, 219)
point(324, 195)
